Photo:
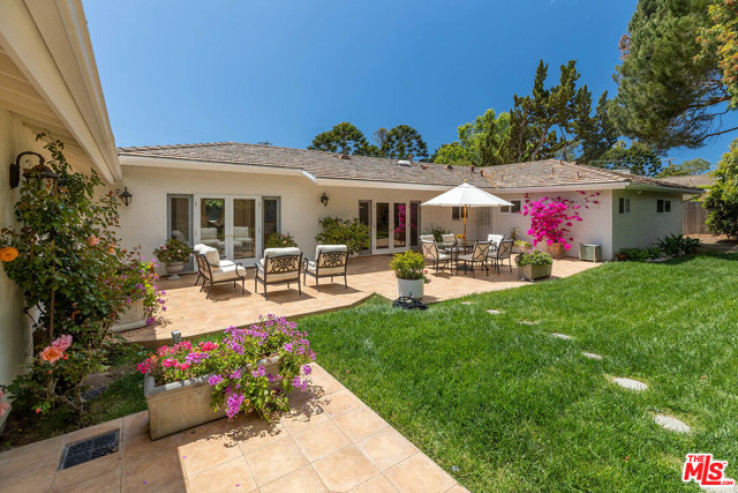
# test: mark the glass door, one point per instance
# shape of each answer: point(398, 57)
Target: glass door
point(365, 217)
point(382, 227)
point(231, 224)
point(179, 222)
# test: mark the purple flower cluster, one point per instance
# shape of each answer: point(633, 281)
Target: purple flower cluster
point(259, 372)
point(196, 358)
point(215, 380)
point(233, 404)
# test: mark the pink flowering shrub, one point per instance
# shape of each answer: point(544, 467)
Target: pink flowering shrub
point(551, 218)
point(235, 367)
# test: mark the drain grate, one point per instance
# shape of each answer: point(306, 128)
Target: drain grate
point(87, 450)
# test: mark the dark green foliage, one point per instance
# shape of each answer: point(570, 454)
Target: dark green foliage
point(480, 142)
point(678, 244)
point(722, 199)
point(639, 158)
point(670, 89)
point(689, 167)
point(344, 138)
point(350, 232)
point(402, 142)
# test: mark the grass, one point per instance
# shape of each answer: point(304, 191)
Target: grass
point(503, 406)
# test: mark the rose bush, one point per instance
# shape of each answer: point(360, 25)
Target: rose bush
point(236, 368)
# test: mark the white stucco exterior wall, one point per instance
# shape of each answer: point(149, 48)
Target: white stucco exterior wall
point(643, 226)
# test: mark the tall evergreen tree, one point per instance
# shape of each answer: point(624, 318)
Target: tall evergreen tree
point(597, 134)
point(475, 138)
point(403, 141)
point(722, 200)
point(671, 89)
point(344, 138)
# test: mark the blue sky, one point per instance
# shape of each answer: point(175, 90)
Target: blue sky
point(285, 70)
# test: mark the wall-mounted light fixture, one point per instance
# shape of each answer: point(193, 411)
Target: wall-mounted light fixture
point(324, 199)
point(38, 173)
point(125, 196)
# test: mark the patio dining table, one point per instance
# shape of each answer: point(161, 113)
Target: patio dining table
point(455, 251)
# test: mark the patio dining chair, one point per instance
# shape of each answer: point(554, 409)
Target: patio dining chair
point(427, 238)
point(504, 251)
point(279, 266)
point(449, 240)
point(210, 269)
point(330, 261)
point(433, 254)
point(478, 256)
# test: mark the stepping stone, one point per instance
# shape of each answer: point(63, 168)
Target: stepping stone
point(562, 336)
point(591, 355)
point(528, 322)
point(672, 424)
point(492, 311)
point(630, 384)
point(467, 303)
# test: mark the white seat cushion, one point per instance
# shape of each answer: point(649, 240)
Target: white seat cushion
point(234, 271)
point(444, 256)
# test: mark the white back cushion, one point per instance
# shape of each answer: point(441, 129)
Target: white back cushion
point(211, 255)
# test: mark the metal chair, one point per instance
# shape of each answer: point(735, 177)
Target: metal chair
point(330, 261)
point(279, 266)
point(432, 253)
point(219, 275)
point(504, 251)
point(478, 256)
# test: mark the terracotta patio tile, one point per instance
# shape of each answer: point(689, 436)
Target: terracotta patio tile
point(94, 469)
point(275, 460)
point(92, 431)
point(419, 474)
point(304, 480)
point(339, 403)
point(143, 446)
point(360, 423)
point(324, 385)
point(255, 433)
point(233, 475)
point(387, 448)
point(35, 479)
point(135, 425)
point(178, 486)
point(303, 417)
point(39, 455)
point(106, 483)
point(378, 484)
point(152, 472)
point(206, 453)
point(320, 441)
point(345, 469)
point(457, 488)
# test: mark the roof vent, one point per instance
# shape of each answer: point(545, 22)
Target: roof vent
point(627, 171)
point(481, 172)
point(472, 168)
point(424, 166)
point(448, 167)
point(404, 162)
point(344, 156)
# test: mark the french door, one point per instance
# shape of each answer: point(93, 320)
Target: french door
point(396, 226)
point(230, 223)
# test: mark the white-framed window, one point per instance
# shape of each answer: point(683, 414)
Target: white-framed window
point(457, 213)
point(623, 205)
point(663, 206)
point(511, 210)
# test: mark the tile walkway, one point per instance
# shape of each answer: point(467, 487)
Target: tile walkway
point(189, 312)
point(333, 442)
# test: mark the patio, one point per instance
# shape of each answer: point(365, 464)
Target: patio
point(189, 312)
point(331, 443)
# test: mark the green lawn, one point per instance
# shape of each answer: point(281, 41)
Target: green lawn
point(504, 406)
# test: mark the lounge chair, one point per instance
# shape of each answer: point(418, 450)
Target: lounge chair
point(478, 256)
point(279, 266)
point(433, 254)
point(216, 271)
point(504, 251)
point(330, 261)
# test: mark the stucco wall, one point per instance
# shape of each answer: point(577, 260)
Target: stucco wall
point(643, 226)
point(15, 334)
point(144, 222)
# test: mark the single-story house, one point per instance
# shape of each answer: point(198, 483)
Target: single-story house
point(694, 217)
point(232, 195)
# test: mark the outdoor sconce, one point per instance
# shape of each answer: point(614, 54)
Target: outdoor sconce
point(125, 196)
point(324, 199)
point(38, 173)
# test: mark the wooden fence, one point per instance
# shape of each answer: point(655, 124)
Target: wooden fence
point(695, 216)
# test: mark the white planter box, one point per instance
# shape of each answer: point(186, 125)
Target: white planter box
point(133, 318)
point(410, 288)
point(177, 406)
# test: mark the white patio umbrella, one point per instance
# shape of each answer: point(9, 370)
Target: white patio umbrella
point(466, 196)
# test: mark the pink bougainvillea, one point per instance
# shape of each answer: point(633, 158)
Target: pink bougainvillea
point(551, 218)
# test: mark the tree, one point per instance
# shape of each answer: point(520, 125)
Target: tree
point(689, 167)
point(639, 158)
point(473, 136)
point(722, 199)
point(597, 133)
point(401, 142)
point(671, 90)
point(551, 121)
point(344, 138)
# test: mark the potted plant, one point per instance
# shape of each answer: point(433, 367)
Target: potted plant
point(534, 265)
point(247, 370)
point(279, 240)
point(143, 297)
point(350, 232)
point(522, 246)
point(551, 218)
point(173, 254)
point(410, 270)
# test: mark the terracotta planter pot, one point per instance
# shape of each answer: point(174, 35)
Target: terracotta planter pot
point(556, 250)
point(177, 406)
point(533, 272)
point(410, 288)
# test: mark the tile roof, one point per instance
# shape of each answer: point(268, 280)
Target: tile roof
point(706, 180)
point(327, 165)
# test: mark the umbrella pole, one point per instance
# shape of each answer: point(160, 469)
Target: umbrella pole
point(464, 225)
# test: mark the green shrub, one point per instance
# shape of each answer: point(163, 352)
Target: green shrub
point(173, 251)
point(408, 265)
point(279, 240)
point(350, 232)
point(438, 232)
point(675, 244)
point(534, 257)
